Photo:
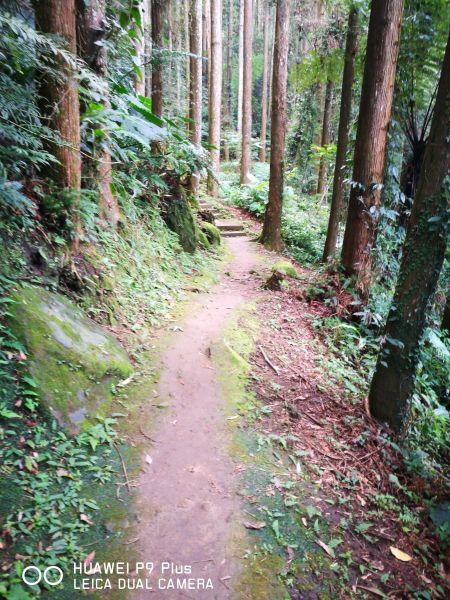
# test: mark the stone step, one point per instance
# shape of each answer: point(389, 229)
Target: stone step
point(229, 225)
point(226, 234)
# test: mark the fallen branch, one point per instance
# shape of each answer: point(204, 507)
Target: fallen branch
point(124, 468)
point(268, 361)
point(147, 436)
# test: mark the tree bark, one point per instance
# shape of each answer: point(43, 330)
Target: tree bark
point(422, 259)
point(271, 234)
point(195, 87)
point(446, 316)
point(215, 91)
point(240, 66)
point(178, 59)
point(246, 155)
point(148, 48)
point(325, 138)
point(61, 109)
point(229, 68)
point(157, 67)
point(262, 151)
point(90, 30)
point(187, 46)
point(374, 115)
point(139, 80)
point(337, 200)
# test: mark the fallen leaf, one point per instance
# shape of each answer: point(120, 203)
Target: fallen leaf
point(125, 381)
point(85, 519)
point(89, 558)
point(254, 525)
point(327, 549)
point(62, 473)
point(399, 554)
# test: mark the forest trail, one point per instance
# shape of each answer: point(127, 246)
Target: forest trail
point(187, 494)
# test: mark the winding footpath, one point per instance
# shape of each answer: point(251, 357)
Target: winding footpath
point(187, 493)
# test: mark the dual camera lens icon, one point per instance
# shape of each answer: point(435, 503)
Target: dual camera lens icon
point(52, 575)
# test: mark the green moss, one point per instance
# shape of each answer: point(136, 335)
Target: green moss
point(212, 233)
point(73, 360)
point(284, 267)
point(203, 240)
point(180, 219)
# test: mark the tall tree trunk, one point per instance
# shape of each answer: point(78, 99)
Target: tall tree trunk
point(240, 66)
point(422, 259)
point(271, 234)
point(195, 87)
point(229, 69)
point(139, 47)
point(246, 155)
point(337, 200)
point(61, 109)
point(446, 316)
point(325, 138)
point(90, 31)
point(178, 59)
point(271, 49)
point(215, 90)
point(187, 46)
point(148, 48)
point(157, 67)
point(374, 115)
point(262, 151)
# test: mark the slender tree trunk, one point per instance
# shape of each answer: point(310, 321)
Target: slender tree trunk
point(271, 47)
point(229, 69)
point(262, 151)
point(139, 80)
point(240, 66)
point(422, 259)
point(337, 199)
point(246, 155)
point(90, 31)
point(148, 48)
point(215, 90)
point(157, 67)
point(178, 61)
point(187, 46)
point(374, 115)
point(195, 88)
point(61, 109)
point(325, 138)
point(271, 234)
point(446, 316)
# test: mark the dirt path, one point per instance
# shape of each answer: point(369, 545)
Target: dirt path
point(187, 494)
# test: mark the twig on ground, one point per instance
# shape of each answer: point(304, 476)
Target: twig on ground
point(268, 361)
point(124, 468)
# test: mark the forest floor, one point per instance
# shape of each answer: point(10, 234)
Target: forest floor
point(265, 474)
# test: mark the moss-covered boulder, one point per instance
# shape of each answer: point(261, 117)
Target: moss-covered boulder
point(279, 272)
point(203, 240)
point(75, 362)
point(178, 215)
point(212, 233)
point(284, 267)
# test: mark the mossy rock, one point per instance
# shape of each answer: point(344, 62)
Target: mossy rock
point(280, 271)
point(179, 217)
point(284, 267)
point(203, 240)
point(212, 233)
point(74, 362)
